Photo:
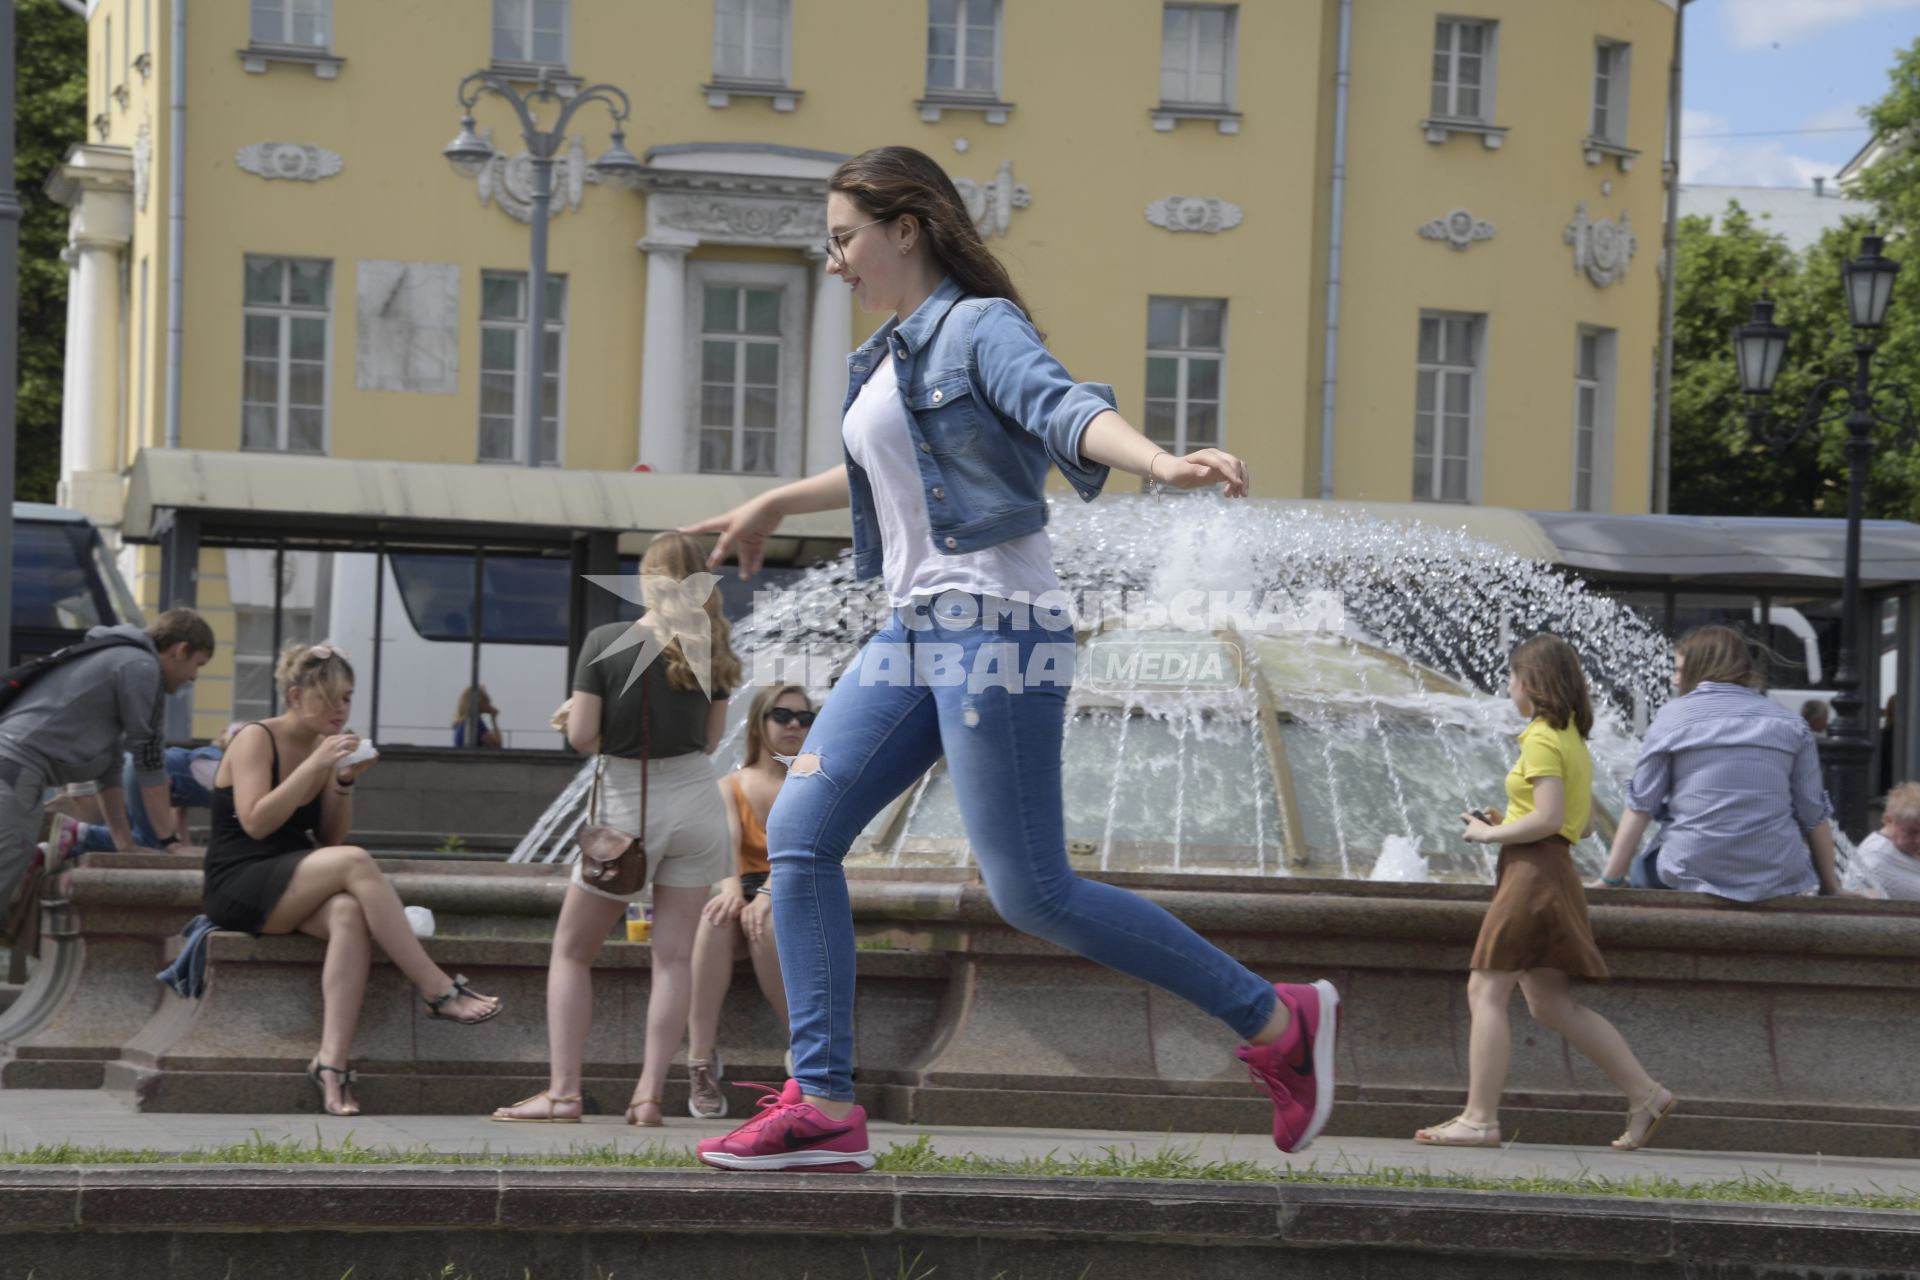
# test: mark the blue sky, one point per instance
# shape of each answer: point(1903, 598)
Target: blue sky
point(1796, 71)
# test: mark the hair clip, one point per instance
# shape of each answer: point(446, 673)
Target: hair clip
point(321, 652)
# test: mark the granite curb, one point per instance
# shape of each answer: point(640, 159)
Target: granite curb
point(496, 1204)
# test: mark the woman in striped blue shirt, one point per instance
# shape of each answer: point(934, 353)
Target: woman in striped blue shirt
point(1733, 778)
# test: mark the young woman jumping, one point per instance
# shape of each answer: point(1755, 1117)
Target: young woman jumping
point(954, 411)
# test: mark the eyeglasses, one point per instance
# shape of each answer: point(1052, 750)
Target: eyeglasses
point(836, 244)
point(787, 715)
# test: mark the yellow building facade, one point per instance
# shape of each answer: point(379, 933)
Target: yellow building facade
point(1463, 205)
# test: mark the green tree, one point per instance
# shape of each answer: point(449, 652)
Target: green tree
point(50, 115)
point(1717, 468)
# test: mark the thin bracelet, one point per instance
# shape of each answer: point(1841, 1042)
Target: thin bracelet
point(1614, 882)
point(1152, 479)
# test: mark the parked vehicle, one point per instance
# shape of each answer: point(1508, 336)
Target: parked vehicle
point(64, 581)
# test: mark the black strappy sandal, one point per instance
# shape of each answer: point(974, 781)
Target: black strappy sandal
point(347, 1078)
point(435, 1004)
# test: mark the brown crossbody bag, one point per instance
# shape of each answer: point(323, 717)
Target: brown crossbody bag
point(612, 860)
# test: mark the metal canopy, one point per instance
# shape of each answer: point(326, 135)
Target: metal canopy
point(244, 499)
point(1755, 551)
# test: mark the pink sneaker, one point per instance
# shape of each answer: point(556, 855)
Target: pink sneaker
point(1297, 1069)
point(64, 841)
point(791, 1134)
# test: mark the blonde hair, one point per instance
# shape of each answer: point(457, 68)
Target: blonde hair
point(756, 714)
point(675, 556)
point(1715, 653)
point(464, 707)
point(1549, 670)
point(319, 670)
point(1903, 805)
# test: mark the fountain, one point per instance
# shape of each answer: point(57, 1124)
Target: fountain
point(1365, 702)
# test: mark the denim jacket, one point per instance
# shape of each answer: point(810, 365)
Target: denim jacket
point(989, 408)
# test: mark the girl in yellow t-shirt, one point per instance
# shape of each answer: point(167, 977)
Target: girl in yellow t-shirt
point(1536, 931)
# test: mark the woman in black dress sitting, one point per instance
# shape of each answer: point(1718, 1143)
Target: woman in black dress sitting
point(278, 862)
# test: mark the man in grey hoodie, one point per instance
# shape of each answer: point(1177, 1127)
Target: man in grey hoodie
point(73, 723)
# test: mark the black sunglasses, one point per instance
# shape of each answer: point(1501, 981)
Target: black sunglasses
point(787, 715)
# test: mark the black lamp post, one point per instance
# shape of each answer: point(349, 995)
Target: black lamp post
point(1760, 347)
point(469, 153)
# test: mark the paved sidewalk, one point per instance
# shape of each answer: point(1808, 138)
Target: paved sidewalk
point(31, 1117)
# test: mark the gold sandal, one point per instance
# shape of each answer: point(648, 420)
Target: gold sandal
point(553, 1100)
point(638, 1103)
point(1626, 1141)
point(1489, 1134)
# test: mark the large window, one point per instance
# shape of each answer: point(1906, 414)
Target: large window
point(299, 24)
point(1197, 54)
point(963, 47)
point(1463, 69)
point(1445, 405)
point(1186, 372)
point(283, 397)
point(740, 358)
point(750, 40)
point(1610, 61)
point(532, 31)
point(504, 321)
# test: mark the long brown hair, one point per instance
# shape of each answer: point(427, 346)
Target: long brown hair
point(675, 556)
point(756, 714)
point(1715, 653)
point(888, 182)
point(1549, 670)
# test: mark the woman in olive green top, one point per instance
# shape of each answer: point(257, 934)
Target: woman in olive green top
point(688, 848)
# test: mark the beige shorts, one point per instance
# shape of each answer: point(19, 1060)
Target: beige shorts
point(688, 845)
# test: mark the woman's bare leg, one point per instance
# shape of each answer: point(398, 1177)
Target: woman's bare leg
point(1490, 1047)
point(766, 967)
point(1550, 1001)
point(585, 921)
point(343, 987)
point(349, 869)
point(715, 949)
point(676, 915)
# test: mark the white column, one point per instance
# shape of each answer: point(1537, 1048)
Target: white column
point(663, 358)
point(829, 334)
point(93, 320)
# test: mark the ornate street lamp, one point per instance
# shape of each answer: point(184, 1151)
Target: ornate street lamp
point(469, 153)
point(1760, 347)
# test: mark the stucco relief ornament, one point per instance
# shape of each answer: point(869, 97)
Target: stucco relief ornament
point(292, 161)
point(1195, 213)
point(1459, 229)
point(142, 164)
point(508, 180)
point(745, 219)
point(991, 204)
point(1602, 249)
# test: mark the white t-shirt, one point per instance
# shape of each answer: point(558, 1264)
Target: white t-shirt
point(876, 434)
point(1885, 868)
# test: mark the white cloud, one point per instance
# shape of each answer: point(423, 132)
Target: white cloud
point(1846, 115)
point(1740, 162)
point(1754, 24)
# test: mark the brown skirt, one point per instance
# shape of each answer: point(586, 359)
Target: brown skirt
point(1538, 919)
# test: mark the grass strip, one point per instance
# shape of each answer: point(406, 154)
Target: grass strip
point(921, 1157)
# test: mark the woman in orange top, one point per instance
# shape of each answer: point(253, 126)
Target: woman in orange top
point(739, 918)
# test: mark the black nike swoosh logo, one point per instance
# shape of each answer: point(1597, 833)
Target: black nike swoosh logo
point(795, 1138)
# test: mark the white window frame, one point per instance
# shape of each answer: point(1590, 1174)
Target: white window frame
point(523, 447)
point(1230, 88)
point(962, 10)
point(1613, 68)
point(791, 405)
point(1439, 125)
point(1600, 380)
point(285, 10)
point(284, 313)
point(783, 18)
point(1444, 369)
point(525, 15)
point(1184, 356)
